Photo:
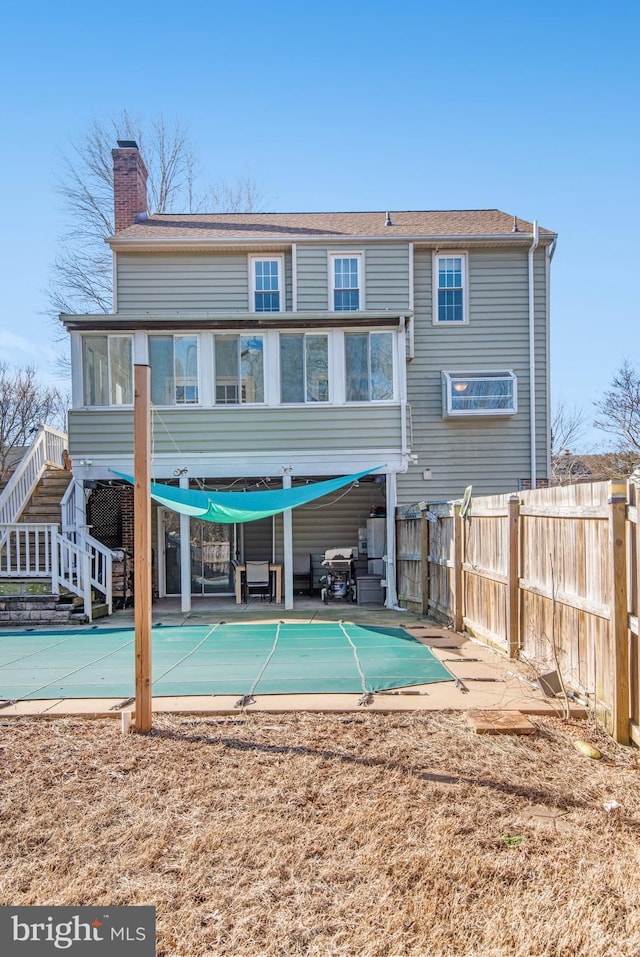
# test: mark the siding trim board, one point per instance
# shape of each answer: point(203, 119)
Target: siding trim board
point(196, 322)
point(230, 243)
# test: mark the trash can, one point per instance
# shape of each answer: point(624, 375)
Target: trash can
point(369, 590)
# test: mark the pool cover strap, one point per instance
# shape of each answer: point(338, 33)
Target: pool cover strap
point(224, 659)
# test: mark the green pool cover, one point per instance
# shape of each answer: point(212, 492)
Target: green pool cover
point(292, 658)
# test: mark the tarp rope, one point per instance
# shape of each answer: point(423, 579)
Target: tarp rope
point(249, 698)
point(366, 693)
point(75, 671)
point(188, 654)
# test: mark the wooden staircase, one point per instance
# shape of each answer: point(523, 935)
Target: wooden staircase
point(44, 505)
point(31, 602)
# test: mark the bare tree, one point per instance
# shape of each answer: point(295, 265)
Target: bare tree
point(568, 426)
point(619, 408)
point(82, 272)
point(24, 404)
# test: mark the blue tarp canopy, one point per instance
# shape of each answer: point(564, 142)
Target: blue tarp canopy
point(232, 507)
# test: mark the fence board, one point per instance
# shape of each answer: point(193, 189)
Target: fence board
point(557, 583)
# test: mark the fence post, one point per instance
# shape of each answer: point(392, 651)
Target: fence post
point(424, 557)
point(619, 636)
point(458, 611)
point(513, 578)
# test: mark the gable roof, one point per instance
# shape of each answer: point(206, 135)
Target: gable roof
point(298, 227)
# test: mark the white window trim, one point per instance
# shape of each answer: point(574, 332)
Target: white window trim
point(447, 254)
point(347, 254)
point(253, 259)
point(448, 378)
point(174, 336)
point(305, 334)
point(394, 368)
point(80, 361)
point(265, 352)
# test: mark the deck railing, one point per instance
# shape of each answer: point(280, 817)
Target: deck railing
point(33, 550)
point(46, 449)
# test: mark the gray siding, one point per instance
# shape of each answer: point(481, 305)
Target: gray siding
point(386, 269)
point(152, 282)
point(231, 430)
point(330, 522)
point(492, 454)
point(313, 279)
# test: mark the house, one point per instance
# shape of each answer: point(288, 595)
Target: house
point(287, 348)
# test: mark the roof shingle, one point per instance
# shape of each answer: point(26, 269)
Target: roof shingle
point(348, 225)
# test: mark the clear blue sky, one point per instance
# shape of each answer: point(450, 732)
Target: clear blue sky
point(529, 107)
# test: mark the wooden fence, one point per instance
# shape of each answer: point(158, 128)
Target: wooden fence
point(550, 576)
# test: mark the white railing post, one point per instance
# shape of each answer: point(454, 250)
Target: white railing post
point(55, 572)
point(85, 570)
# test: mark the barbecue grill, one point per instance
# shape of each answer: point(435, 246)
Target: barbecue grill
point(339, 580)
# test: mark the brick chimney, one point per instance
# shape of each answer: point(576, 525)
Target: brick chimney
point(129, 184)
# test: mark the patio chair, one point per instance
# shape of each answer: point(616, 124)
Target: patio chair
point(257, 578)
point(303, 574)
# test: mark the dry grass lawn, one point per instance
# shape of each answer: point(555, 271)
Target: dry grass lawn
point(365, 835)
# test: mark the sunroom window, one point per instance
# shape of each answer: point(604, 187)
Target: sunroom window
point(304, 368)
point(174, 370)
point(369, 366)
point(479, 393)
point(239, 363)
point(107, 370)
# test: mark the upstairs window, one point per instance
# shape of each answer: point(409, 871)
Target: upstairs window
point(345, 281)
point(107, 370)
point(304, 368)
point(239, 369)
point(369, 366)
point(479, 393)
point(450, 288)
point(174, 370)
point(267, 279)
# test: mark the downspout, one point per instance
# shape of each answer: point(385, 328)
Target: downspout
point(402, 386)
point(532, 355)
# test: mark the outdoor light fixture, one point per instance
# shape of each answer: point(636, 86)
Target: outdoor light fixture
point(86, 461)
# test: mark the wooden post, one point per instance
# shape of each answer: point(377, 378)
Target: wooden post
point(142, 543)
point(424, 557)
point(634, 604)
point(513, 579)
point(619, 635)
point(458, 611)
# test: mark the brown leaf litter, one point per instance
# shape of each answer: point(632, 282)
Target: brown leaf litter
point(368, 835)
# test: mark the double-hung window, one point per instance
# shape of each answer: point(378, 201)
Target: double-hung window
point(266, 284)
point(239, 369)
point(304, 368)
point(450, 288)
point(368, 366)
point(174, 370)
point(479, 393)
point(346, 280)
point(107, 370)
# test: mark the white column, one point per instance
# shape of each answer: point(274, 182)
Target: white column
point(390, 567)
point(287, 530)
point(185, 555)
